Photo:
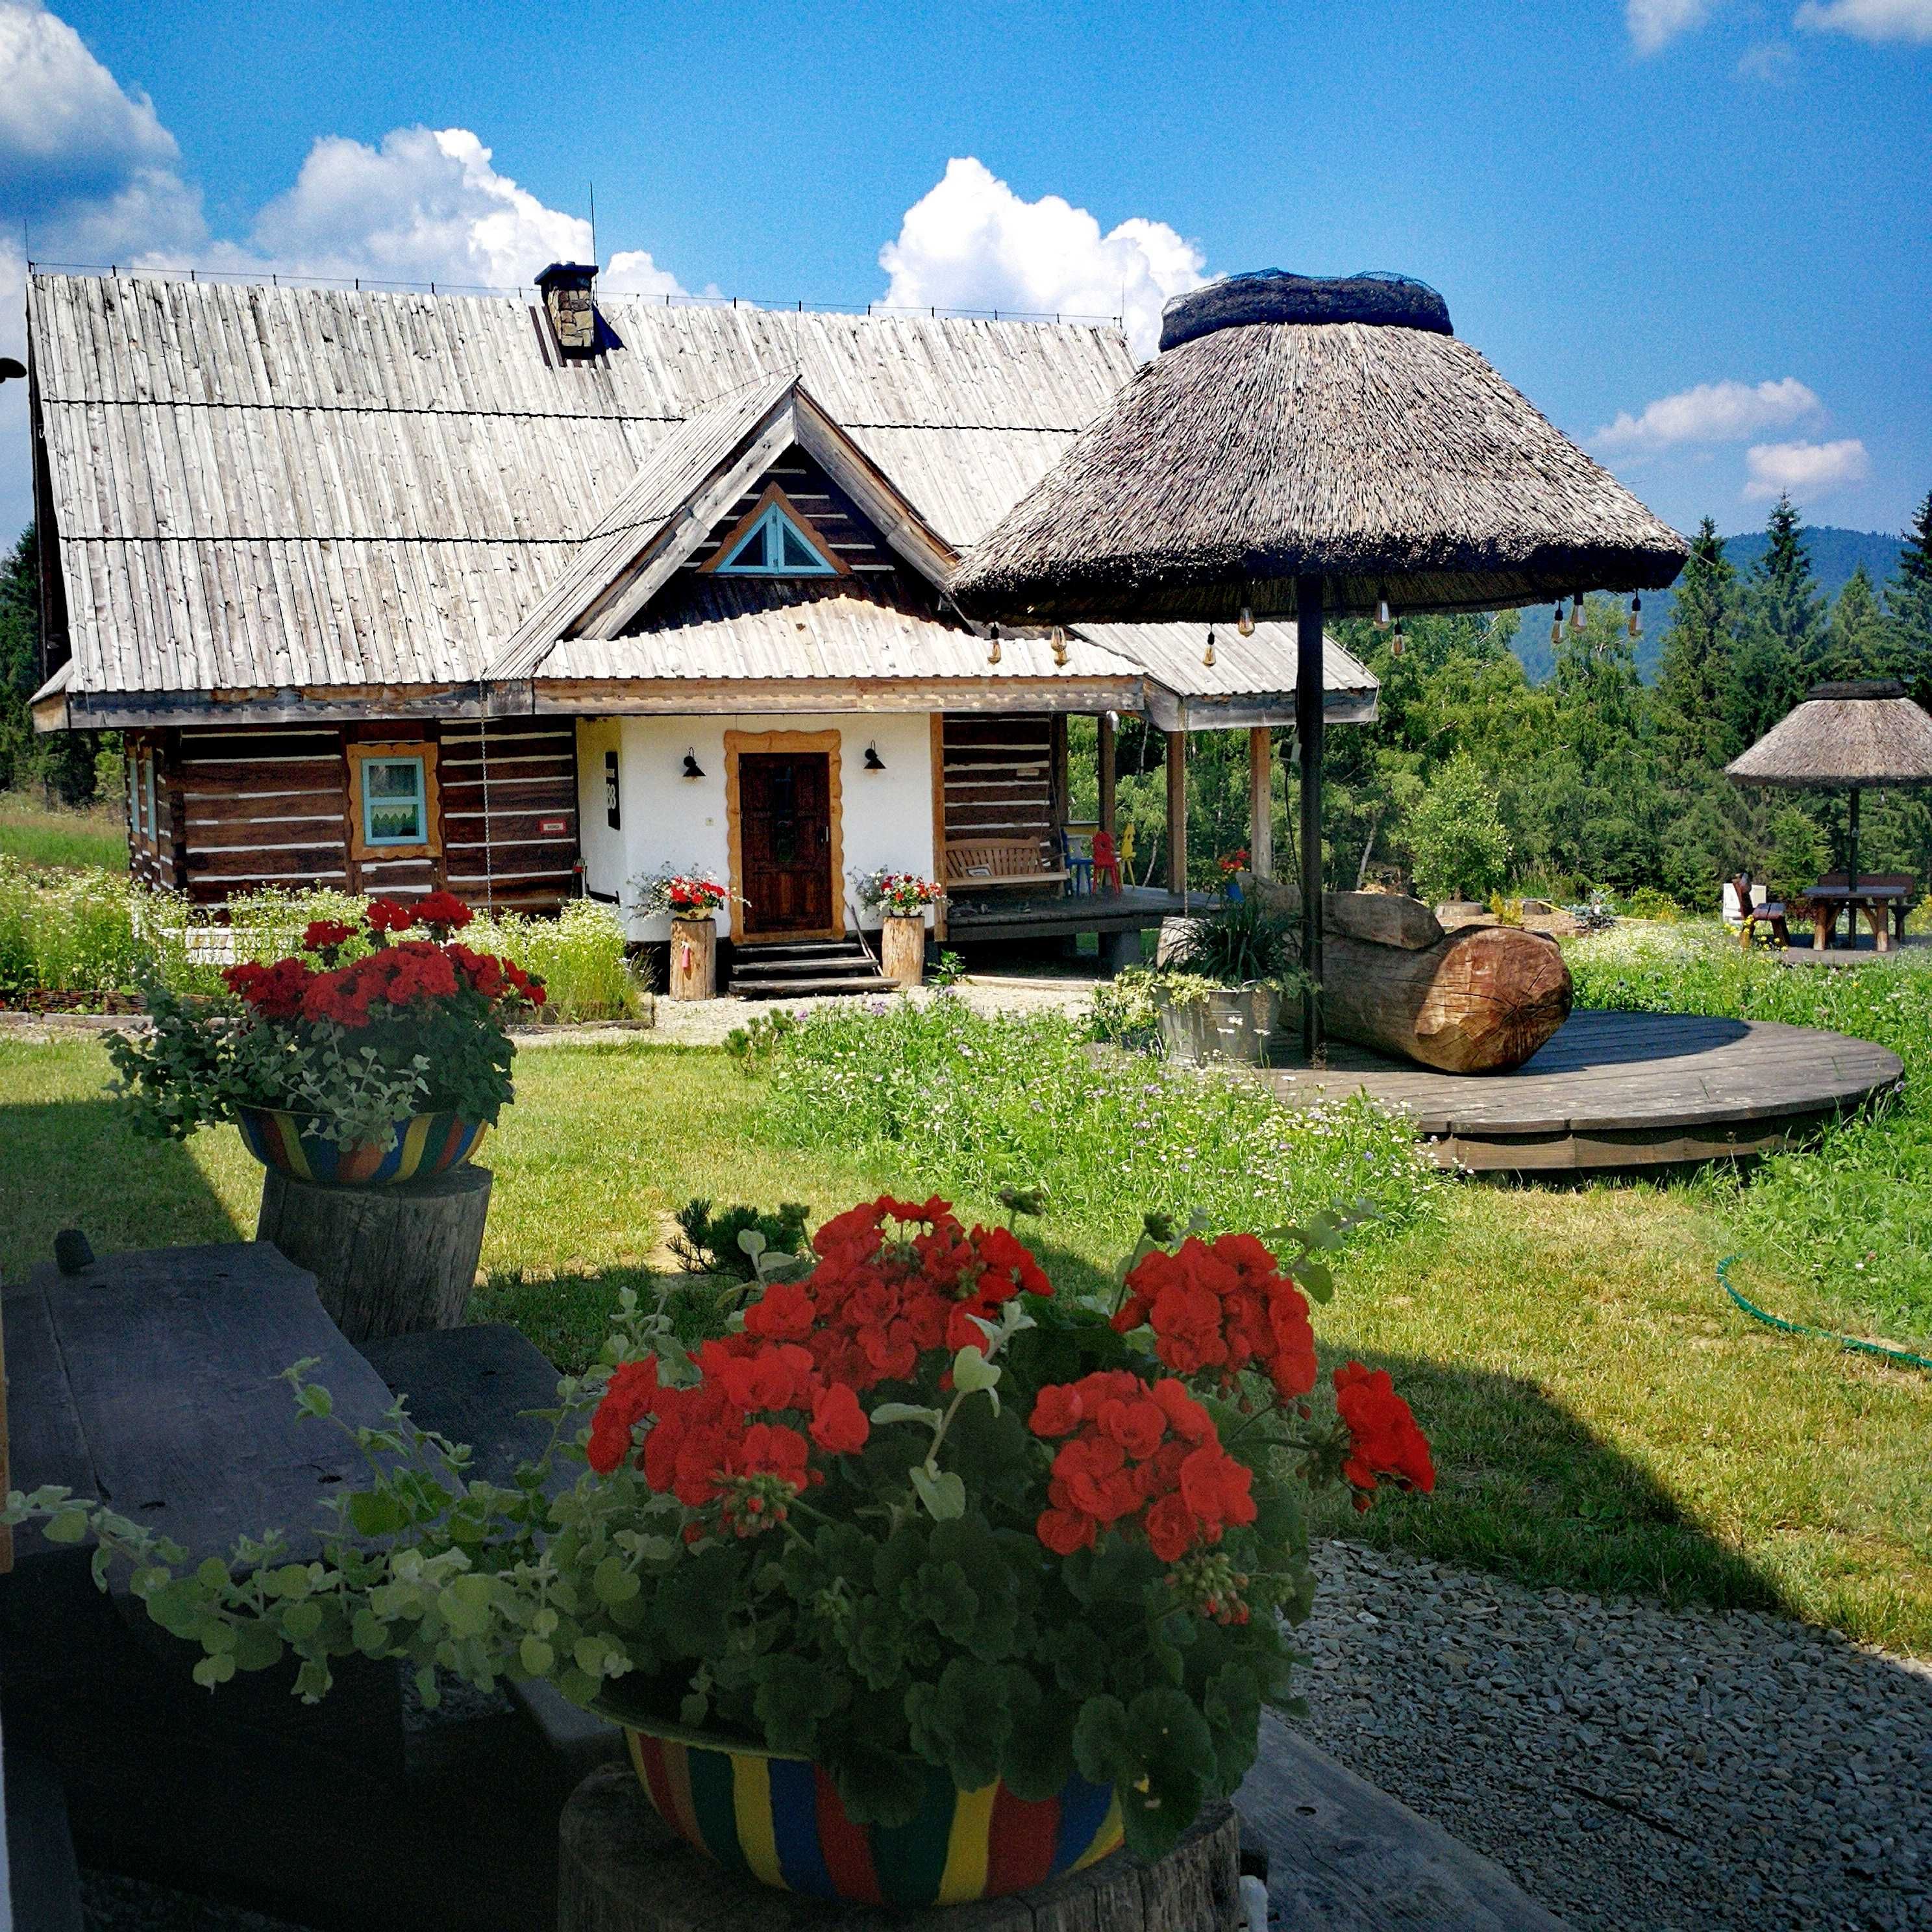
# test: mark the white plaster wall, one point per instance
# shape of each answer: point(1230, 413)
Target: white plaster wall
point(672, 821)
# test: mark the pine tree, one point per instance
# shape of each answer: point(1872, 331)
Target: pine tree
point(1782, 639)
point(1697, 675)
point(1908, 603)
point(1860, 642)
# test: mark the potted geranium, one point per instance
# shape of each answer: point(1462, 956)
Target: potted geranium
point(902, 900)
point(690, 899)
point(911, 1554)
point(364, 1057)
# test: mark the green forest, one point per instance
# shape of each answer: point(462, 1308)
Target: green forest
point(1475, 781)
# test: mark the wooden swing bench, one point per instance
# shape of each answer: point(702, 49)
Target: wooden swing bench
point(1000, 862)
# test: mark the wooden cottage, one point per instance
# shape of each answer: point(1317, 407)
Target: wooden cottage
point(530, 598)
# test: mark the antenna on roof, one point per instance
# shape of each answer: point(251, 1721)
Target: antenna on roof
point(594, 256)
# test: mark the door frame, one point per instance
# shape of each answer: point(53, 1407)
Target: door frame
point(740, 744)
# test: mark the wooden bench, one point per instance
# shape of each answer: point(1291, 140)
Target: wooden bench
point(1000, 862)
point(153, 1379)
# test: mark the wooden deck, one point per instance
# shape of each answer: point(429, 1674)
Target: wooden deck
point(977, 917)
point(1615, 1089)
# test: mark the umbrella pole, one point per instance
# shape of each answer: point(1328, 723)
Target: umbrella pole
point(1308, 722)
point(1852, 855)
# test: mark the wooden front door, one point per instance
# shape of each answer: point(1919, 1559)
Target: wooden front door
point(785, 804)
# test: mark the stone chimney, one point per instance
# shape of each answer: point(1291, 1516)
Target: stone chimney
point(568, 301)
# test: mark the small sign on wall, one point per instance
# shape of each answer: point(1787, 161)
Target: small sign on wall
point(549, 825)
point(612, 815)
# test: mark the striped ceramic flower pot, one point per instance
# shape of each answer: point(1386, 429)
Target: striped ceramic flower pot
point(424, 1145)
point(777, 1818)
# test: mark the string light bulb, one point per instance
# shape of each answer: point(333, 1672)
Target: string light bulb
point(1382, 611)
point(993, 654)
point(1637, 616)
point(1556, 627)
point(1397, 643)
point(1246, 624)
point(1059, 641)
point(1207, 655)
point(1576, 613)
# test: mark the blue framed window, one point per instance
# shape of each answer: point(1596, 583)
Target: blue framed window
point(775, 546)
point(395, 803)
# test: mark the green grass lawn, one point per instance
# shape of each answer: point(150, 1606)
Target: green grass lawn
point(38, 834)
point(1603, 1420)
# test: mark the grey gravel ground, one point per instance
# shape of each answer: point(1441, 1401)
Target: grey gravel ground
point(1633, 1767)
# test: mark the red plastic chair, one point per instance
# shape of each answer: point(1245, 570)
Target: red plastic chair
point(1106, 861)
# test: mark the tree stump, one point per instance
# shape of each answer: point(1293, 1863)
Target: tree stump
point(902, 950)
point(693, 959)
point(622, 1869)
point(387, 1261)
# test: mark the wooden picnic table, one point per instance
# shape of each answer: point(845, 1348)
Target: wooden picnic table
point(1884, 902)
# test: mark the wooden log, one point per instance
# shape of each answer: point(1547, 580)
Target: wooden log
point(387, 1261)
point(1177, 812)
point(1385, 919)
point(902, 950)
point(693, 959)
point(621, 1869)
point(1480, 1000)
point(1107, 776)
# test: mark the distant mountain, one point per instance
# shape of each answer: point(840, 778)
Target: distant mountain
point(1835, 554)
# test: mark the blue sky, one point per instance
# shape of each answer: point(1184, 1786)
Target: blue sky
point(1694, 232)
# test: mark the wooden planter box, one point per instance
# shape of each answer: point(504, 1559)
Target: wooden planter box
point(694, 958)
point(902, 950)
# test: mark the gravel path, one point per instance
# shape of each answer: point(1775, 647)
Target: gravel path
point(1634, 1768)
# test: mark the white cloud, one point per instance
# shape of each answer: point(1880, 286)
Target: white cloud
point(1772, 61)
point(1654, 24)
point(970, 242)
point(83, 164)
point(632, 272)
point(1725, 411)
point(1810, 469)
point(1870, 19)
point(426, 205)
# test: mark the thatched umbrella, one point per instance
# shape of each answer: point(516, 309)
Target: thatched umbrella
point(1843, 737)
point(1322, 447)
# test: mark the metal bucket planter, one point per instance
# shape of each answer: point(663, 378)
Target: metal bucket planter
point(776, 1818)
point(1236, 1025)
point(424, 1145)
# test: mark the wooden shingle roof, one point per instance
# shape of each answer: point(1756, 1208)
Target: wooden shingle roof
point(274, 487)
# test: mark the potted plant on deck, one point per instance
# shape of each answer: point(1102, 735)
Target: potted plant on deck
point(366, 1057)
point(902, 899)
point(1227, 985)
point(690, 899)
point(914, 1581)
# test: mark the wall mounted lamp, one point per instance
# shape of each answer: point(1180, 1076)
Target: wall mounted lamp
point(692, 768)
point(873, 762)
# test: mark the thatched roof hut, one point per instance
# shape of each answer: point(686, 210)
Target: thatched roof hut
point(1843, 736)
point(1297, 427)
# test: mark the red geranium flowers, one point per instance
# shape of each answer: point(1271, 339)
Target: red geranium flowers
point(1383, 1439)
point(407, 974)
point(878, 1299)
point(1220, 1307)
point(1138, 1455)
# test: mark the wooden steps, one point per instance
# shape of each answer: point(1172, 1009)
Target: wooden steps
point(806, 969)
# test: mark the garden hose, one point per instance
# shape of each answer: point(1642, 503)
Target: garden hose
point(1776, 1322)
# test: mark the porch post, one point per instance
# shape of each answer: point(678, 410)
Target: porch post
point(1260, 802)
point(1177, 813)
point(1308, 724)
point(1106, 773)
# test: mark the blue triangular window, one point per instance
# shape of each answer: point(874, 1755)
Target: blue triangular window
point(775, 546)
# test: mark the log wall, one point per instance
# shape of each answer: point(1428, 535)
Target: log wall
point(530, 845)
point(238, 810)
point(1000, 779)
